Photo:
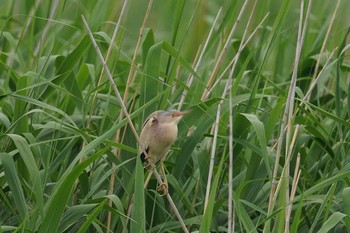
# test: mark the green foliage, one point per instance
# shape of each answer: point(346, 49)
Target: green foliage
point(62, 170)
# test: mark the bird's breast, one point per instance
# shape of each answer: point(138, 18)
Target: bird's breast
point(166, 133)
point(163, 137)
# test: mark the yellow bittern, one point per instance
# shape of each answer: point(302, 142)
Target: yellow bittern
point(159, 132)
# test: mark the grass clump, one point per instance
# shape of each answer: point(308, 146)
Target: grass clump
point(264, 149)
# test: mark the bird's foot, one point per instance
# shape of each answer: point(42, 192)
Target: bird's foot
point(163, 189)
point(149, 165)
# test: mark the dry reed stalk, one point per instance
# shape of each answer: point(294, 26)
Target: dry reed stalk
point(325, 42)
point(127, 116)
point(199, 61)
point(218, 112)
point(235, 58)
point(287, 121)
point(313, 84)
point(126, 94)
point(224, 51)
point(114, 36)
point(47, 26)
point(231, 219)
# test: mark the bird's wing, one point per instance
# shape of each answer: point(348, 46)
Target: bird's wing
point(153, 115)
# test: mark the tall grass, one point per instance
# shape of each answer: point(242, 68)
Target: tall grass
point(264, 149)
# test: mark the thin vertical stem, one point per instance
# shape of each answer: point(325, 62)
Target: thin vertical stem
point(125, 97)
point(190, 80)
point(218, 113)
point(47, 26)
point(235, 58)
point(224, 51)
point(291, 98)
point(230, 170)
point(325, 42)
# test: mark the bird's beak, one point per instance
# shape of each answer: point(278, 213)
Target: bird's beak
point(178, 115)
point(181, 113)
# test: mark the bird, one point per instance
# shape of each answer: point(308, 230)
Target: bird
point(159, 132)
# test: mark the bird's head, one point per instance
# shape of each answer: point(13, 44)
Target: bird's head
point(161, 117)
point(170, 116)
point(166, 117)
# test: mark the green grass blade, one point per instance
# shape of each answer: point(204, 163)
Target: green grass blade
point(346, 201)
point(57, 203)
point(333, 220)
point(150, 83)
point(138, 223)
point(74, 214)
point(243, 217)
point(30, 162)
point(208, 214)
point(15, 184)
point(260, 132)
point(66, 67)
point(92, 217)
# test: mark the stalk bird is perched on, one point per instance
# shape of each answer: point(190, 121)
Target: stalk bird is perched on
point(159, 132)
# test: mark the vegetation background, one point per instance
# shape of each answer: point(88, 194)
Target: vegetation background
point(265, 148)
